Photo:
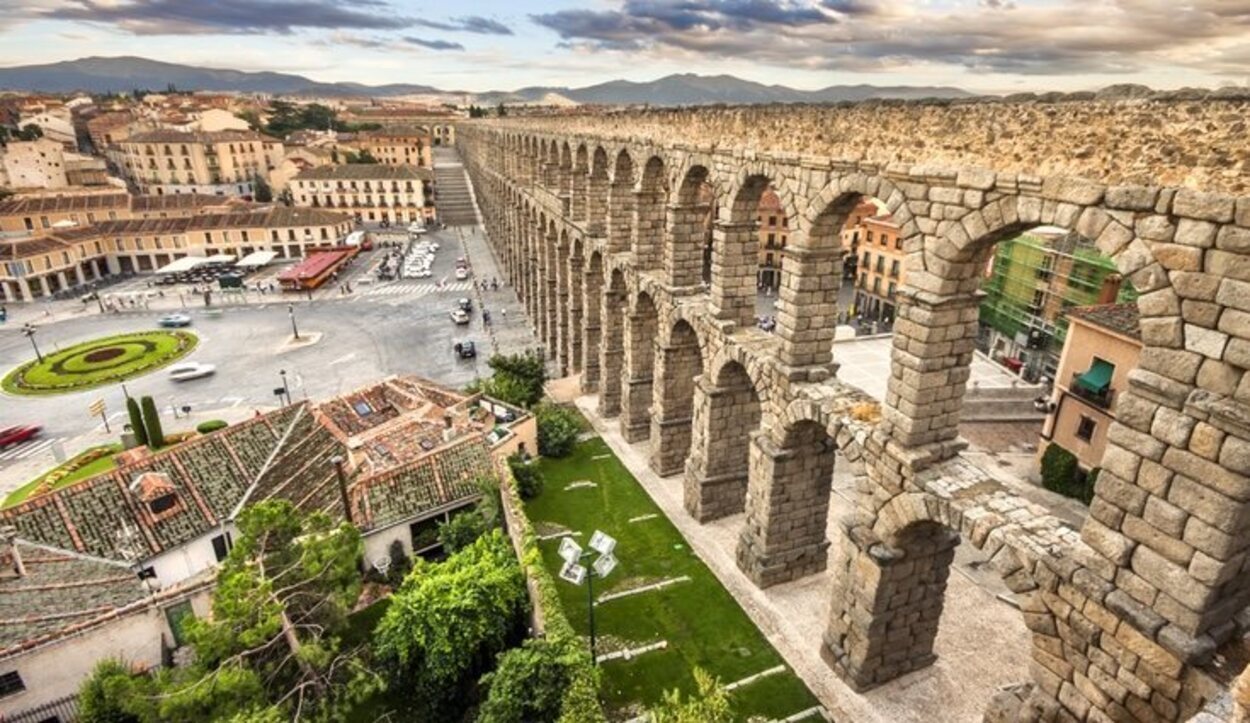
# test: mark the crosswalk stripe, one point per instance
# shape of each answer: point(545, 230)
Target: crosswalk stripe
point(28, 449)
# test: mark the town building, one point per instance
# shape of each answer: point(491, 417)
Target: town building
point(371, 192)
point(68, 257)
point(774, 230)
point(852, 232)
point(1101, 347)
point(45, 164)
point(398, 146)
point(115, 564)
point(879, 268)
point(218, 163)
point(441, 126)
point(35, 214)
point(1030, 283)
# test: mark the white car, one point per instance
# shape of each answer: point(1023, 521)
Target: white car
point(460, 316)
point(190, 370)
point(416, 228)
point(462, 273)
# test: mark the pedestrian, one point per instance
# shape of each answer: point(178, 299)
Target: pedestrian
point(504, 312)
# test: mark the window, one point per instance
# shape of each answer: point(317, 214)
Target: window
point(178, 616)
point(11, 683)
point(1085, 428)
point(30, 225)
point(221, 546)
point(894, 268)
point(164, 503)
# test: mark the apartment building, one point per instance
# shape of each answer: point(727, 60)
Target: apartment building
point(222, 163)
point(371, 192)
point(879, 268)
point(65, 258)
point(1102, 346)
point(774, 234)
point(398, 146)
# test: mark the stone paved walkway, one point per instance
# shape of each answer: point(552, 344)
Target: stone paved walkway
point(982, 644)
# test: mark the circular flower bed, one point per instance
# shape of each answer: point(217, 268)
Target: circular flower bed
point(99, 362)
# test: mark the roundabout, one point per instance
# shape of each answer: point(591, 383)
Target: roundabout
point(99, 362)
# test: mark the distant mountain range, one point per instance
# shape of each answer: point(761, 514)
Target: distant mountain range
point(103, 75)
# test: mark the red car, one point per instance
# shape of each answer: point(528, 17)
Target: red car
point(16, 435)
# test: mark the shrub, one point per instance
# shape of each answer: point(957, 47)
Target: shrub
point(211, 425)
point(518, 379)
point(108, 696)
point(401, 564)
point(529, 683)
point(529, 481)
point(558, 427)
point(152, 423)
point(1061, 473)
point(136, 422)
point(461, 531)
point(709, 704)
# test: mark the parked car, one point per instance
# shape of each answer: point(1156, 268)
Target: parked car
point(465, 304)
point(416, 228)
point(171, 321)
point(190, 370)
point(460, 316)
point(10, 436)
point(466, 349)
point(462, 273)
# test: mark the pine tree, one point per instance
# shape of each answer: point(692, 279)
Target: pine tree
point(136, 421)
point(152, 422)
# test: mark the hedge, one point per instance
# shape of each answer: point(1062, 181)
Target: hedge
point(581, 701)
point(211, 425)
point(1061, 473)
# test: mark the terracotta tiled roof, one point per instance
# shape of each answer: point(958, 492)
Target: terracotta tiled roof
point(436, 480)
point(1120, 318)
point(166, 136)
point(365, 172)
point(19, 205)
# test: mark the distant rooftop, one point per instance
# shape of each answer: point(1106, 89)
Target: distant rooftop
point(1122, 319)
point(365, 172)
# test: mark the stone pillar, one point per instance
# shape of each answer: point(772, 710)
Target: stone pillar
point(648, 241)
point(95, 265)
point(734, 264)
point(636, 383)
point(23, 288)
point(581, 198)
point(576, 322)
point(934, 340)
point(562, 308)
point(715, 484)
point(886, 606)
point(787, 510)
point(621, 204)
point(597, 206)
point(808, 313)
point(676, 367)
point(612, 352)
point(683, 254)
point(79, 277)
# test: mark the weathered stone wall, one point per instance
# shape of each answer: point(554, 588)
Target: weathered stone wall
point(1125, 613)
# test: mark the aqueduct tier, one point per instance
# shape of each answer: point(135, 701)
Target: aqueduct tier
point(600, 222)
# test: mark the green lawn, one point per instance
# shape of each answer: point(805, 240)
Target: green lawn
point(98, 362)
point(102, 464)
point(701, 622)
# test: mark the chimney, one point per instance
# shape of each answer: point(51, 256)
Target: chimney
point(449, 430)
point(1110, 289)
point(11, 566)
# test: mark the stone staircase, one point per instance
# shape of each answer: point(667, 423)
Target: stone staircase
point(453, 199)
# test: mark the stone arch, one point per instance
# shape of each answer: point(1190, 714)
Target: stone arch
point(563, 351)
point(678, 361)
point(639, 367)
point(592, 337)
point(612, 319)
point(621, 202)
point(787, 503)
point(728, 409)
point(735, 244)
point(597, 193)
point(687, 250)
point(650, 201)
point(579, 188)
point(573, 271)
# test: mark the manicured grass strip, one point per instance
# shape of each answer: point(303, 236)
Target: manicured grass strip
point(98, 362)
point(700, 621)
point(102, 464)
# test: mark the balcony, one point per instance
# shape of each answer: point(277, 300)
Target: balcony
point(1094, 385)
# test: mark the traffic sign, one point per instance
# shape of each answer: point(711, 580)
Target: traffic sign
point(97, 407)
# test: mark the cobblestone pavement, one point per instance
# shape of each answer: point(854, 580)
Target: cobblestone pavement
point(982, 643)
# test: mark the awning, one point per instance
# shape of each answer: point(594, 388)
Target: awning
point(186, 263)
point(220, 258)
point(256, 259)
point(1098, 378)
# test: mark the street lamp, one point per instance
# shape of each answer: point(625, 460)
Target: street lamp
point(290, 311)
point(575, 572)
point(29, 330)
point(285, 387)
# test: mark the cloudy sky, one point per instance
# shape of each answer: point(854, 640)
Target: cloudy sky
point(983, 45)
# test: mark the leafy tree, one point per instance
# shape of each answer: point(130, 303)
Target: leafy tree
point(529, 682)
point(518, 378)
point(136, 421)
point(448, 620)
point(281, 602)
point(558, 427)
point(109, 695)
point(152, 423)
point(709, 704)
point(363, 157)
point(461, 531)
point(401, 563)
point(502, 110)
point(529, 481)
point(30, 132)
point(263, 192)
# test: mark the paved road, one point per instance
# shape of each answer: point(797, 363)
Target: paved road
point(380, 329)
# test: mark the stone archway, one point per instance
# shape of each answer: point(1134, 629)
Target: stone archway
point(576, 303)
point(727, 410)
point(735, 253)
point(648, 231)
point(621, 203)
point(689, 227)
point(612, 353)
point(678, 361)
point(592, 305)
point(638, 369)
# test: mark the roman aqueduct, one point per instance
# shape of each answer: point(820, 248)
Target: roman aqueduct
point(600, 222)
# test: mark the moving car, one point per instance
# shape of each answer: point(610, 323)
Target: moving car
point(10, 436)
point(460, 316)
point(170, 321)
point(462, 273)
point(416, 228)
point(465, 304)
point(190, 370)
point(466, 349)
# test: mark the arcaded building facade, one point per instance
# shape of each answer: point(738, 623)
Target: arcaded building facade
point(600, 222)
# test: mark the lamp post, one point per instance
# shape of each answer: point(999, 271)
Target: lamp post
point(575, 572)
point(285, 387)
point(29, 330)
point(290, 311)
